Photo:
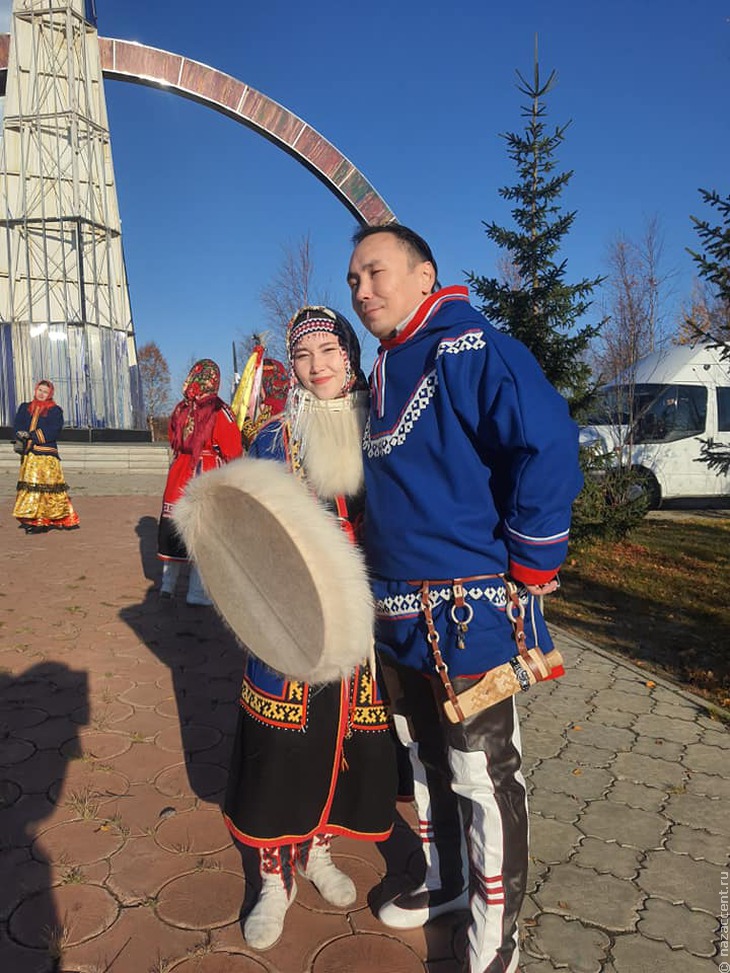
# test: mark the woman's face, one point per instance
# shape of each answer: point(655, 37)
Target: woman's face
point(42, 393)
point(320, 365)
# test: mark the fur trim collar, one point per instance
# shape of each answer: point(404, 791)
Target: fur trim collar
point(329, 435)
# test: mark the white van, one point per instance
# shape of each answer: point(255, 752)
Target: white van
point(654, 415)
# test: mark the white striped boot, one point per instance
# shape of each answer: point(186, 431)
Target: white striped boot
point(265, 923)
point(315, 864)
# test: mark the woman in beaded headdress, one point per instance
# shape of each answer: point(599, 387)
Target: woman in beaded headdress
point(42, 502)
point(203, 434)
point(312, 761)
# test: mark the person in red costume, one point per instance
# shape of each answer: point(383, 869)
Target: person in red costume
point(42, 502)
point(203, 435)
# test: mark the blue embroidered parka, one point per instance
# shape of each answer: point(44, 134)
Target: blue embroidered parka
point(471, 467)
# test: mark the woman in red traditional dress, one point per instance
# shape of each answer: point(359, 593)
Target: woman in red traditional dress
point(203, 434)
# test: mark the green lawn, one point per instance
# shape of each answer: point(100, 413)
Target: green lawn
point(662, 598)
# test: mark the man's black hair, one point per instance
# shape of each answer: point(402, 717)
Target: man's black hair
point(412, 240)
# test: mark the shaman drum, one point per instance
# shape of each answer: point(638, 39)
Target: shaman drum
point(279, 569)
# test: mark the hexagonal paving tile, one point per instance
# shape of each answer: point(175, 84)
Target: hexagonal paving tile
point(100, 745)
point(78, 842)
point(190, 738)
point(703, 759)
point(200, 832)
point(368, 950)
point(679, 878)
point(204, 779)
point(72, 914)
point(142, 868)
point(609, 858)
point(568, 943)
point(583, 783)
point(599, 900)
point(699, 812)
point(634, 953)
point(202, 899)
point(628, 825)
point(361, 872)
point(552, 841)
point(700, 845)
point(648, 770)
point(143, 761)
point(138, 942)
point(9, 793)
point(679, 927)
point(219, 963)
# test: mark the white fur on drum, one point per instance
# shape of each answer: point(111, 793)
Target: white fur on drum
point(279, 569)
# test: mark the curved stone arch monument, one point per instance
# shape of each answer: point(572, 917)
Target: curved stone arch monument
point(64, 304)
point(139, 64)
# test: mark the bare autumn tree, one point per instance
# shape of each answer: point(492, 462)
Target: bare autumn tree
point(704, 316)
point(291, 288)
point(635, 286)
point(155, 375)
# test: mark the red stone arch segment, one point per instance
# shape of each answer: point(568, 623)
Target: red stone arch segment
point(137, 63)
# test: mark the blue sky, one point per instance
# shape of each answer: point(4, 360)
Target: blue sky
point(415, 95)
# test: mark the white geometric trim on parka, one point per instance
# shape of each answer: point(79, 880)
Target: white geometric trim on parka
point(383, 444)
point(409, 604)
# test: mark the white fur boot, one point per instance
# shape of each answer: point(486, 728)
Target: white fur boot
point(196, 592)
point(316, 865)
point(265, 923)
point(170, 573)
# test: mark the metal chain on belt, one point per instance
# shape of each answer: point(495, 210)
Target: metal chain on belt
point(516, 614)
point(433, 640)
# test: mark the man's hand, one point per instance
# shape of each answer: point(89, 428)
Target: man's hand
point(543, 589)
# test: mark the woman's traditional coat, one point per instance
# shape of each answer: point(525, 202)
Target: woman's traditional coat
point(223, 445)
point(42, 499)
point(309, 759)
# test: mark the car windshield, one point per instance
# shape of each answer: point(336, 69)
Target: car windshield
point(655, 413)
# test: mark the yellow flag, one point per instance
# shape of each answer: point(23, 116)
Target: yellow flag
point(244, 393)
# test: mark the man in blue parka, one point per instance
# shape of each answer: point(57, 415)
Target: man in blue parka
point(471, 467)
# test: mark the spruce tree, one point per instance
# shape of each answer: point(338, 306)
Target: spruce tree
point(536, 304)
point(714, 268)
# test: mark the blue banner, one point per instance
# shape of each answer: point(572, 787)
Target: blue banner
point(91, 11)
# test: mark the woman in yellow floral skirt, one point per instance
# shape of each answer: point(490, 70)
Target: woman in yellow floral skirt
point(42, 500)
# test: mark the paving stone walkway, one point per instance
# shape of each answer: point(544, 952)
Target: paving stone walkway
point(116, 716)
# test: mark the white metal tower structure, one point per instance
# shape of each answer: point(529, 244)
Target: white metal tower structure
point(64, 302)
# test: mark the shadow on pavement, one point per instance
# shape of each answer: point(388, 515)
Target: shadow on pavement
point(206, 665)
point(42, 710)
point(146, 530)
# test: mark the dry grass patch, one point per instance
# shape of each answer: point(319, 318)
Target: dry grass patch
point(661, 597)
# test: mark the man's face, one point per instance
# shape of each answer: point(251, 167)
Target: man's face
point(386, 282)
